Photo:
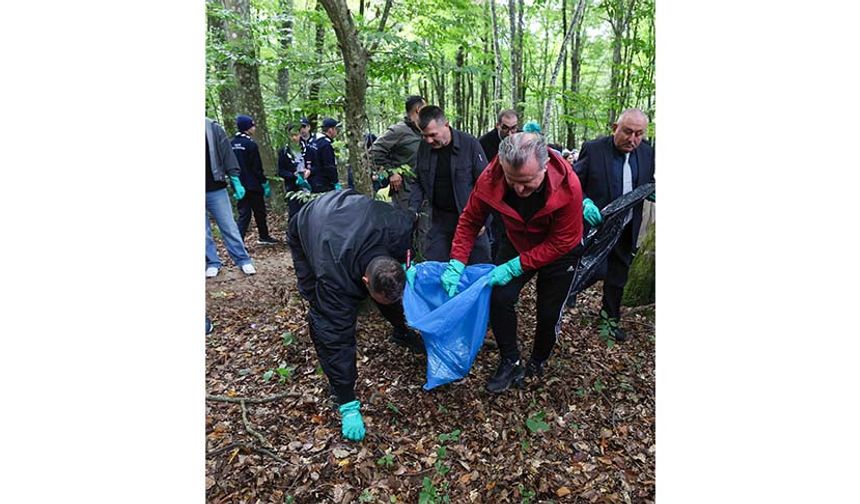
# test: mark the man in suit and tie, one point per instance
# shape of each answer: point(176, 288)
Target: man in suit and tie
point(608, 168)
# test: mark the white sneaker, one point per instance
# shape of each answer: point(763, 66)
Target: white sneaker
point(211, 272)
point(248, 269)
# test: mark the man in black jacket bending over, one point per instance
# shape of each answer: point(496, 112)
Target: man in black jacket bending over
point(346, 246)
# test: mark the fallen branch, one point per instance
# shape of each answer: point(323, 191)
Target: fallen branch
point(255, 449)
point(253, 400)
point(263, 440)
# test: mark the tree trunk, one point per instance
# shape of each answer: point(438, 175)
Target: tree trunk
point(620, 13)
point(248, 79)
point(575, 65)
point(577, 17)
point(515, 55)
point(640, 288)
point(315, 75)
point(355, 60)
point(286, 40)
point(497, 82)
point(225, 72)
point(458, 90)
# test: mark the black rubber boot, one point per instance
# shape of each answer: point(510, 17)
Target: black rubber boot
point(510, 373)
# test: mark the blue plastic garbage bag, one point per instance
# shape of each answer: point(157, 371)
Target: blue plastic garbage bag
point(453, 328)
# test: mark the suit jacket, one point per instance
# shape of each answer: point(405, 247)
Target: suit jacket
point(594, 171)
point(467, 163)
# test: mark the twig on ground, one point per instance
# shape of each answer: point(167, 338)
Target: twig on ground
point(253, 400)
point(249, 447)
point(263, 441)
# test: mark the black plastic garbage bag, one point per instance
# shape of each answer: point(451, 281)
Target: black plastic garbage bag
point(599, 241)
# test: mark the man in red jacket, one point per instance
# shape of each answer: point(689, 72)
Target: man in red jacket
point(540, 201)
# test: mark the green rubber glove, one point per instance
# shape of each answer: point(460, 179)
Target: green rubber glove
point(652, 197)
point(352, 425)
point(237, 186)
point(451, 276)
point(302, 183)
point(504, 273)
point(591, 213)
point(337, 186)
point(267, 190)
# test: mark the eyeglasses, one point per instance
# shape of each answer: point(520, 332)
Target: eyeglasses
point(505, 127)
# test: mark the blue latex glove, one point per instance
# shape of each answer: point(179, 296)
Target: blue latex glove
point(238, 187)
point(337, 186)
point(267, 190)
point(591, 213)
point(504, 273)
point(352, 425)
point(302, 183)
point(451, 276)
point(652, 197)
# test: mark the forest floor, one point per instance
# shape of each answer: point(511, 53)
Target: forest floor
point(585, 433)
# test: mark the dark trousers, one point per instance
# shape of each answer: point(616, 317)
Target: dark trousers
point(252, 202)
point(615, 273)
point(441, 235)
point(553, 284)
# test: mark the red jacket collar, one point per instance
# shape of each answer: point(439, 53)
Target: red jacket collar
point(558, 189)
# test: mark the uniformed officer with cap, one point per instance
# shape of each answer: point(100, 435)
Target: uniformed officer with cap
point(322, 173)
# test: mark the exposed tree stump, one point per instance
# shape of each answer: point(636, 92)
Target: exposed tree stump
point(641, 281)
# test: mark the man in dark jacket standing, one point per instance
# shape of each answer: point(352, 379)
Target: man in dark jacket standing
point(507, 124)
point(322, 174)
point(398, 146)
point(608, 168)
point(346, 246)
point(538, 198)
point(252, 177)
point(448, 164)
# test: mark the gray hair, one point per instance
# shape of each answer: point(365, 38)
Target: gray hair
point(516, 149)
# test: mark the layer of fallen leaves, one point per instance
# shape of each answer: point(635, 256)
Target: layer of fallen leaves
point(583, 434)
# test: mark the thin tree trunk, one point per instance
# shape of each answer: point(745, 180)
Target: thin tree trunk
point(515, 54)
point(355, 60)
point(316, 74)
point(286, 40)
point(575, 65)
point(458, 89)
point(577, 17)
point(521, 84)
point(497, 83)
point(248, 79)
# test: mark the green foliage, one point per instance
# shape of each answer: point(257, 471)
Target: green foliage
point(282, 371)
point(526, 494)
point(386, 460)
point(607, 325)
point(390, 405)
point(287, 338)
point(452, 436)
point(535, 423)
point(366, 496)
point(416, 53)
point(598, 386)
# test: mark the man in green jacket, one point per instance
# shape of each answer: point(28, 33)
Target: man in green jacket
point(398, 146)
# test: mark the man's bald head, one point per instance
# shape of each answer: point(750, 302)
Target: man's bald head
point(628, 131)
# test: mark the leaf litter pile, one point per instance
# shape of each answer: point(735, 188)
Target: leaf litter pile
point(585, 433)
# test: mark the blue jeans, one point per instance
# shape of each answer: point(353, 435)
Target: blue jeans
point(218, 205)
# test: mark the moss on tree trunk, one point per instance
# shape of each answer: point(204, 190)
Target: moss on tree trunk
point(641, 281)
